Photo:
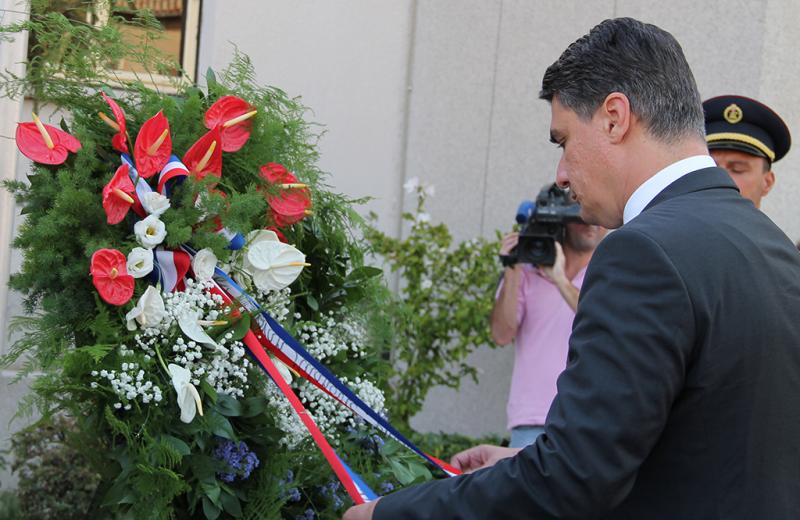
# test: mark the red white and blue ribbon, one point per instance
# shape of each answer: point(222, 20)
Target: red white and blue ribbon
point(355, 486)
point(289, 350)
point(170, 268)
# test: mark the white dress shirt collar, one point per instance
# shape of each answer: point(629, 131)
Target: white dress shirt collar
point(645, 193)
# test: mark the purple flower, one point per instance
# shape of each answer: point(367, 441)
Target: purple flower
point(386, 488)
point(238, 458)
point(308, 515)
point(293, 495)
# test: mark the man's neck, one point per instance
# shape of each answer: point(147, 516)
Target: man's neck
point(651, 156)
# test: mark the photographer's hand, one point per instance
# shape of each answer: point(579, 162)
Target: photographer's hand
point(508, 243)
point(556, 273)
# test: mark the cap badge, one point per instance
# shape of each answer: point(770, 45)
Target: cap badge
point(733, 114)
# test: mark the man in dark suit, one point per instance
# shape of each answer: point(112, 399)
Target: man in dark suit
point(681, 397)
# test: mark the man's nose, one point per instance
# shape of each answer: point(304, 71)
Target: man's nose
point(562, 180)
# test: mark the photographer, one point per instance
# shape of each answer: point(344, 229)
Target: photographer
point(535, 306)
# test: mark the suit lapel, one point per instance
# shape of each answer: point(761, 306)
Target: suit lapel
point(704, 179)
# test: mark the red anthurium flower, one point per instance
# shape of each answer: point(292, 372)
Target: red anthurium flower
point(292, 204)
point(205, 156)
point(118, 195)
point(120, 139)
point(43, 143)
point(231, 115)
point(153, 146)
point(110, 276)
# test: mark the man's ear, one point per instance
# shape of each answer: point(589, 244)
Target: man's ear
point(616, 116)
point(767, 182)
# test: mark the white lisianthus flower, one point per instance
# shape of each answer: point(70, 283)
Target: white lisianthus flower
point(149, 311)
point(140, 262)
point(429, 189)
point(154, 203)
point(411, 184)
point(203, 264)
point(426, 284)
point(150, 231)
point(423, 217)
point(188, 398)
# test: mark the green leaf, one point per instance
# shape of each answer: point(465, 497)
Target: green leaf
point(211, 79)
point(219, 425)
point(176, 444)
point(120, 493)
point(362, 274)
point(210, 510)
point(203, 467)
point(389, 448)
point(212, 491)
point(97, 352)
point(401, 472)
point(208, 390)
point(231, 505)
point(228, 406)
point(253, 406)
point(312, 302)
point(241, 327)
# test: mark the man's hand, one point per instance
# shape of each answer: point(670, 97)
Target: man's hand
point(508, 243)
point(558, 276)
point(556, 273)
point(360, 512)
point(481, 456)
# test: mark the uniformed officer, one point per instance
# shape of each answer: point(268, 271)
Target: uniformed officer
point(745, 137)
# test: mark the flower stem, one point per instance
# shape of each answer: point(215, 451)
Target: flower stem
point(164, 365)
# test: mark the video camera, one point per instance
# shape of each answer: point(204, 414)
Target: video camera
point(543, 223)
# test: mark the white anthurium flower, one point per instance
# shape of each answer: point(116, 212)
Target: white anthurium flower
point(149, 311)
point(190, 325)
point(140, 262)
point(261, 235)
point(203, 264)
point(253, 238)
point(275, 265)
point(154, 203)
point(411, 184)
point(286, 373)
point(188, 397)
point(150, 231)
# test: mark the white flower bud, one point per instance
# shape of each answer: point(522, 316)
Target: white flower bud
point(154, 203)
point(140, 262)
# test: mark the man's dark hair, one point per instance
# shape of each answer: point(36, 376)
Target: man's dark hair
point(637, 59)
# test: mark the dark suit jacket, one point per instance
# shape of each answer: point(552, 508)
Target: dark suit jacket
point(681, 396)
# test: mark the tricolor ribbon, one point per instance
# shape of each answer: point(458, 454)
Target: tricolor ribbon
point(289, 351)
point(354, 485)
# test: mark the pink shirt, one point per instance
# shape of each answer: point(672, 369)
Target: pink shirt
point(544, 324)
